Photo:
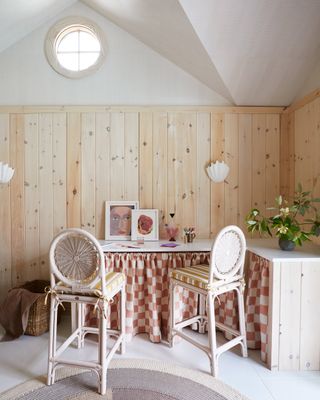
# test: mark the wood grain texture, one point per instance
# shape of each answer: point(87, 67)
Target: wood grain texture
point(290, 295)
point(146, 160)
point(31, 183)
point(88, 155)
point(231, 194)
point(5, 211)
point(17, 156)
point(258, 162)
point(74, 160)
point(59, 172)
point(45, 191)
point(73, 170)
point(117, 164)
point(272, 160)
point(310, 322)
point(102, 161)
point(203, 158)
point(160, 168)
point(131, 156)
point(245, 165)
point(217, 189)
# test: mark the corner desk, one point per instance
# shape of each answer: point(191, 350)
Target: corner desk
point(282, 296)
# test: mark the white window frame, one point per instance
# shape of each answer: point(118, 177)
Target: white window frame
point(50, 46)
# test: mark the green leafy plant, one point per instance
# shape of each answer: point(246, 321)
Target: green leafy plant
point(289, 221)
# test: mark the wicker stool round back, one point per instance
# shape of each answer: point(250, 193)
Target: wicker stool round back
point(78, 277)
point(76, 259)
point(224, 276)
point(227, 254)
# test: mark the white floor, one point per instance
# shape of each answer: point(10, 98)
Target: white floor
point(26, 358)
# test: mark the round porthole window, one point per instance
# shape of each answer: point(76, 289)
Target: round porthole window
point(75, 47)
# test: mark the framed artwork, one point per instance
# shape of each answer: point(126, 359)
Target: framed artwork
point(118, 219)
point(145, 225)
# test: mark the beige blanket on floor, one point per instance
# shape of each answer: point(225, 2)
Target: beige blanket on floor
point(14, 312)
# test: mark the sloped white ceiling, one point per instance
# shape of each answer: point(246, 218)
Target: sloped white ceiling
point(262, 49)
point(163, 25)
point(251, 52)
point(18, 18)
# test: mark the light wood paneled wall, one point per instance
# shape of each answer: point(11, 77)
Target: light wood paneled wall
point(300, 144)
point(69, 161)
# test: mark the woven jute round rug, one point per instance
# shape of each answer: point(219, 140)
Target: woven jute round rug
point(128, 379)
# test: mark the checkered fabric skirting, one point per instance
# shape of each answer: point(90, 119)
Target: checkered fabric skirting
point(257, 304)
point(147, 290)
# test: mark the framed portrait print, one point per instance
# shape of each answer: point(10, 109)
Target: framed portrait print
point(118, 219)
point(145, 224)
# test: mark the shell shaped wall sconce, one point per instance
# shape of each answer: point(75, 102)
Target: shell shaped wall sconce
point(6, 173)
point(218, 171)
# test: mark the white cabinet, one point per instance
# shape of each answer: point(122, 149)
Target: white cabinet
point(294, 306)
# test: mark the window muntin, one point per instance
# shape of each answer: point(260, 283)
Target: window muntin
point(75, 47)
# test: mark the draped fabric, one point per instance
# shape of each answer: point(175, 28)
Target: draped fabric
point(257, 304)
point(147, 289)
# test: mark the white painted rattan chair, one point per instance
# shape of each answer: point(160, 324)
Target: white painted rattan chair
point(224, 274)
point(78, 277)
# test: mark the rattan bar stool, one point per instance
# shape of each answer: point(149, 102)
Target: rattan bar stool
point(78, 277)
point(224, 274)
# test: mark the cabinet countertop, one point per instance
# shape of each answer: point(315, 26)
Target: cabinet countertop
point(269, 249)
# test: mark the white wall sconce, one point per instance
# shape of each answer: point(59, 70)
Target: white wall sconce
point(6, 173)
point(218, 171)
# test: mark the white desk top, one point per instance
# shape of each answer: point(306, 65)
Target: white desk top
point(198, 245)
point(269, 249)
point(266, 248)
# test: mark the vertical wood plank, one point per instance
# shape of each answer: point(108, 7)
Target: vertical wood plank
point(131, 156)
point(5, 211)
point(145, 161)
point(73, 169)
point(285, 170)
point(117, 156)
point(291, 145)
point(45, 191)
point(303, 163)
point(188, 169)
point(310, 322)
point(258, 162)
point(273, 329)
point(289, 343)
point(88, 152)
point(173, 165)
point(17, 196)
point(102, 170)
point(232, 159)
point(159, 168)
point(203, 181)
point(272, 158)
point(32, 268)
point(245, 168)
point(217, 221)
point(59, 172)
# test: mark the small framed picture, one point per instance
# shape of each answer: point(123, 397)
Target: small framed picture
point(118, 219)
point(145, 225)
